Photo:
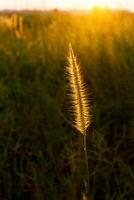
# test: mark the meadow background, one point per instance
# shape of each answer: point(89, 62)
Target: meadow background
point(39, 150)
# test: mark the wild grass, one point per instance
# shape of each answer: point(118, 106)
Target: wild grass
point(80, 108)
point(78, 94)
point(40, 153)
point(14, 23)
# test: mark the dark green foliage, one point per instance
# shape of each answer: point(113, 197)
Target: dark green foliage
point(40, 153)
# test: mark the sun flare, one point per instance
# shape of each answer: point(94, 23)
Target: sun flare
point(89, 4)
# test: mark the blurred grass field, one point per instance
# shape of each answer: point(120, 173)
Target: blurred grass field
point(39, 150)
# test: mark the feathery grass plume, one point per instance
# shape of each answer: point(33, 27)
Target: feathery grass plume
point(79, 94)
point(80, 108)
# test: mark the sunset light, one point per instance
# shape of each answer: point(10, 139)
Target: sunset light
point(66, 4)
point(66, 99)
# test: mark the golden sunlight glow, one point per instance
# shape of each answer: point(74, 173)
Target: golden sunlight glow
point(66, 4)
point(88, 4)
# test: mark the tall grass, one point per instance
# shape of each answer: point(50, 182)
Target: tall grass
point(39, 150)
point(80, 108)
point(14, 23)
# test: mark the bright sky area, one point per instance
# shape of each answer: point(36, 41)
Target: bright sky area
point(66, 4)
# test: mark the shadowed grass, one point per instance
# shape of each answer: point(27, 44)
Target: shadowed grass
point(39, 150)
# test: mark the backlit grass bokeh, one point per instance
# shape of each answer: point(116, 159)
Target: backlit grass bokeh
point(40, 152)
